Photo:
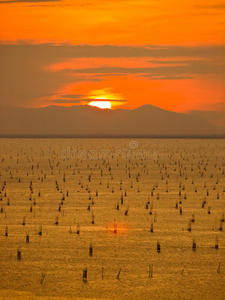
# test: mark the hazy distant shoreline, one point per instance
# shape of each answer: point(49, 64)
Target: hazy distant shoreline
point(146, 121)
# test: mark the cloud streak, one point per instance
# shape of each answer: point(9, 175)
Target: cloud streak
point(213, 6)
point(62, 101)
point(196, 68)
point(27, 1)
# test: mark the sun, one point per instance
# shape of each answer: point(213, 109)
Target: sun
point(101, 104)
point(104, 98)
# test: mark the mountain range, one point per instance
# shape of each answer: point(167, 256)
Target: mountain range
point(88, 121)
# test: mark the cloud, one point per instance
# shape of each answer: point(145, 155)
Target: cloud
point(166, 77)
point(174, 62)
point(213, 6)
point(109, 75)
point(105, 99)
point(75, 3)
point(60, 101)
point(84, 100)
point(191, 68)
point(75, 96)
point(24, 76)
point(27, 1)
point(95, 95)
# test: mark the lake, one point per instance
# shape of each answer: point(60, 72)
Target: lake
point(77, 197)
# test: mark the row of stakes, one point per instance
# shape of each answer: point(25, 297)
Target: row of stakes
point(85, 271)
point(167, 175)
point(117, 207)
point(115, 229)
point(150, 273)
point(126, 212)
point(158, 246)
point(155, 186)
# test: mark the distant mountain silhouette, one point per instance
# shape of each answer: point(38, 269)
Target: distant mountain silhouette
point(215, 117)
point(87, 121)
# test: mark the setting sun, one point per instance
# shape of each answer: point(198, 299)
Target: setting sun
point(101, 104)
point(105, 98)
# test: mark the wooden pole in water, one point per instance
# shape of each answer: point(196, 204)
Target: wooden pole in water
point(216, 243)
point(85, 275)
point(118, 275)
point(27, 238)
point(158, 247)
point(218, 269)
point(150, 270)
point(182, 272)
point(78, 228)
point(92, 218)
point(18, 254)
point(40, 230)
point(222, 219)
point(151, 230)
point(115, 227)
point(6, 231)
point(42, 277)
point(90, 250)
point(194, 245)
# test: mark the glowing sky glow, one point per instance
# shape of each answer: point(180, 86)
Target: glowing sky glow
point(69, 52)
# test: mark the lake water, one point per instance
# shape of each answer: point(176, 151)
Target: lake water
point(152, 177)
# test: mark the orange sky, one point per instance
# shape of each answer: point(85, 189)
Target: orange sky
point(180, 81)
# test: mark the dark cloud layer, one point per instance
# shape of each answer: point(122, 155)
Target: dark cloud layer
point(61, 101)
point(53, 52)
point(74, 96)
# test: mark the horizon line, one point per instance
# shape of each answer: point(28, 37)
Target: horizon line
point(44, 136)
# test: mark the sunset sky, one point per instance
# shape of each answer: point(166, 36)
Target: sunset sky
point(170, 54)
